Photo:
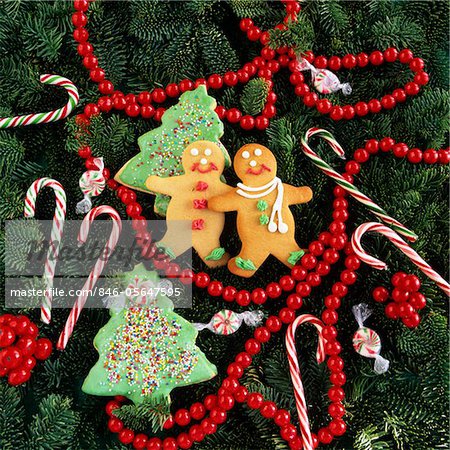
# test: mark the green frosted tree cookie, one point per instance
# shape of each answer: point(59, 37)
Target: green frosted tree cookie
point(192, 119)
point(145, 351)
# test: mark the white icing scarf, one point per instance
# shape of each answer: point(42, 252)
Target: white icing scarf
point(262, 191)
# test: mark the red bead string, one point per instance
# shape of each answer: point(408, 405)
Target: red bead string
point(349, 61)
point(323, 252)
point(264, 66)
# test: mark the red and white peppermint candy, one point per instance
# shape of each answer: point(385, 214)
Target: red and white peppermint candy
point(325, 81)
point(141, 292)
point(366, 341)
point(227, 322)
point(92, 183)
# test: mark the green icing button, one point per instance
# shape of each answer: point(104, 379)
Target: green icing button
point(262, 205)
point(264, 219)
point(145, 352)
point(192, 119)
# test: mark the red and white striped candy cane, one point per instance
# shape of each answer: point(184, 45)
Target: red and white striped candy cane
point(55, 236)
point(294, 369)
point(349, 187)
point(51, 116)
point(401, 244)
point(98, 267)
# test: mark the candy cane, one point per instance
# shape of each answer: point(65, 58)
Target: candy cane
point(98, 267)
point(51, 116)
point(349, 187)
point(294, 369)
point(55, 236)
point(402, 245)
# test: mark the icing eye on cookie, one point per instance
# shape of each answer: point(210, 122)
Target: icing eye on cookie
point(203, 161)
point(208, 152)
point(257, 152)
point(246, 154)
point(252, 163)
point(194, 151)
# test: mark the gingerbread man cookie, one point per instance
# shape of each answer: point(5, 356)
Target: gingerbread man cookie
point(203, 163)
point(192, 119)
point(265, 223)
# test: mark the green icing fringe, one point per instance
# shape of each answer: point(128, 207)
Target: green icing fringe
point(166, 250)
point(295, 256)
point(261, 205)
point(245, 264)
point(216, 254)
point(264, 219)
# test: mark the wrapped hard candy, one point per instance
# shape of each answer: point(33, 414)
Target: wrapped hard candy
point(227, 322)
point(366, 341)
point(325, 81)
point(92, 183)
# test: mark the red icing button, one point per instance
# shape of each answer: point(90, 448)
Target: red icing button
point(201, 186)
point(200, 203)
point(198, 224)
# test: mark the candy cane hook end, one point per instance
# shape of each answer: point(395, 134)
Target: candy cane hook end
point(50, 116)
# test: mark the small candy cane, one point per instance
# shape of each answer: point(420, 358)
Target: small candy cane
point(294, 369)
point(98, 267)
point(324, 80)
point(92, 183)
point(227, 322)
point(51, 116)
point(401, 244)
point(366, 341)
point(55, 236)
point(349, 187)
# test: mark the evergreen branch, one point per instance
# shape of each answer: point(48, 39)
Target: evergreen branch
point(54, 424)
point(12, 418)
point(254, 96)
point(298, 35)
point(151, 413)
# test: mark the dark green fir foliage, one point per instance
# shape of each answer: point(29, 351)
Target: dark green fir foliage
point(150, 414)
point(145, 44)
point(254, 96)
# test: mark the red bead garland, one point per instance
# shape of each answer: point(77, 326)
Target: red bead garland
point(349, 61)
point(304, 276)
point(264, 66)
